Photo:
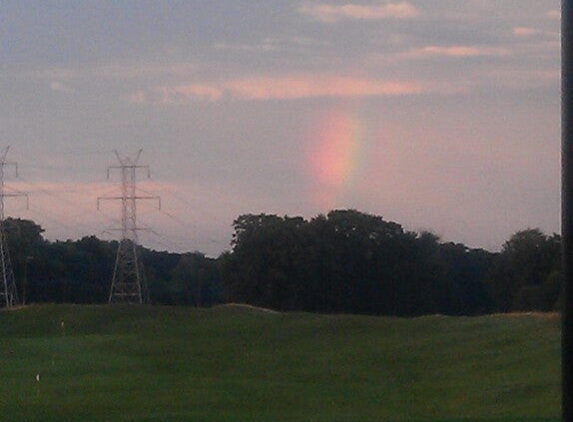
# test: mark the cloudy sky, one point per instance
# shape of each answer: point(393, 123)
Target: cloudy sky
point(440, 115)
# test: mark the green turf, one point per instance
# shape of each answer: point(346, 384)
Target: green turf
point(241, 365)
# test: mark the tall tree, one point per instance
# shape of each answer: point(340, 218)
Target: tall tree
point(522, 268)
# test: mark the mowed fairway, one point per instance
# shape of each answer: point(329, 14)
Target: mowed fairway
point(230, 363)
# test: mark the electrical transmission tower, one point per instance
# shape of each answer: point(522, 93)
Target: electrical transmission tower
point(128, 283)
point(9, 292)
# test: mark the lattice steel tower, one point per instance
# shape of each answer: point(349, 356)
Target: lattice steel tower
point(8, 290)
point(128, 283)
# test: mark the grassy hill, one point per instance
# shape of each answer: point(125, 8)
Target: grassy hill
point(101, 363)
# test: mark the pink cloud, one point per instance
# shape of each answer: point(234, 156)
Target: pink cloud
point(461, 51)
point(287, 88)
point(554, 14)
point(259, 88)
point(524, 31)
point(334, 13)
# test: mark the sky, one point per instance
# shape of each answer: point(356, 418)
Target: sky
point(440, 115)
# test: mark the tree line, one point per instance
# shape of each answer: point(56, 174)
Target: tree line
point(343, 262)
point(352, 262)
point(80, 271)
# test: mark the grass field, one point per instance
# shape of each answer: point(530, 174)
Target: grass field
point(101, 363)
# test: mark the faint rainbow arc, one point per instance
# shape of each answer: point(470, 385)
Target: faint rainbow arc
point(337, 156)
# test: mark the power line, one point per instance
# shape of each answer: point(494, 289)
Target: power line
point(196, 228)
point(74, 213)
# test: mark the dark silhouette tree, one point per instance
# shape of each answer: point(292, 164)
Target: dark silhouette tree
point(519, 273)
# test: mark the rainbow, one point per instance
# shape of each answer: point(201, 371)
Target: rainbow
point(336, 158)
